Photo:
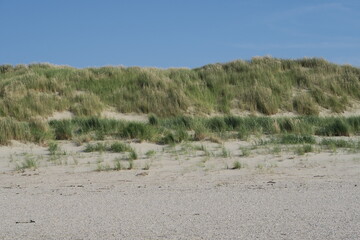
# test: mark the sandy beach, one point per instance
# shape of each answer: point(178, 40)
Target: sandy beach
point(183, 194)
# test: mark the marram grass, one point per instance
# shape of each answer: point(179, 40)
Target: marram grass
point(173, 130)
point(263, 84)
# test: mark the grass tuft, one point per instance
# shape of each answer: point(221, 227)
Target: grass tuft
point(337, 143)
point(117, 164)
point(133, 155)
point(237, 165)
point(27, 163)
point(150, 153)
point(297, 139)
point(53, 148)
point(225, 153)
point(120, 147)
point(97, 147)
point(304, 149)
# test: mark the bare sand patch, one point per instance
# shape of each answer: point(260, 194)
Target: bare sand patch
point(61, 115)
point(105, 114)
point(126, 117)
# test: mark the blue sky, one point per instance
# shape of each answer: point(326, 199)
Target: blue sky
point(176, 33)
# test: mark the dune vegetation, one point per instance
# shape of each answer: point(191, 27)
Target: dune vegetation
point(265, 85)
point(177, 100)
point(174, 130)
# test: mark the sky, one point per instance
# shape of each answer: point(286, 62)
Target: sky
point(176, 33)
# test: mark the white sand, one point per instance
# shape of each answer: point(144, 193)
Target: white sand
point(61, 115)
point(127, 117)
point(111, 114)
point(184, 194)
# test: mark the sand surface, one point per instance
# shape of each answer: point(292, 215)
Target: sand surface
point(110, 114)
point(183, 195)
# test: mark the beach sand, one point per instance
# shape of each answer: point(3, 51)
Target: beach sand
point(184, 194)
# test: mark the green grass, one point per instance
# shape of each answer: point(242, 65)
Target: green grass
point(338, 143)
point(118, 165)
point(135, 130)
point(150, 153)
point(53, 148)
point(262, 84)
point(63, 129)
point(133, 155)
point(131, 164)
point(237, 165)
point(173, 137)
point(337, 127)
point(225, 153)
point(97, 147)
point(120, 147)
point(173, 130)
point(304, 149)
point(14, 130)
point(153, 119)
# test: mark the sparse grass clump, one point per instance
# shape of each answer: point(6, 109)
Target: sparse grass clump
point(116, 147)
point(120, 147)
point(29, 162)
point(118, 165)
point(131, 164)
point(276, 150)
point(225, 153)
point(53, 148)
point(97, 147)
point(297, 139)
point(203, 148)
point(133, 155)
point(237, 165)
point(103, 167)
point(79, 140)
point(150, 153)
point(304, 149)
point(337, 143)
point(178, 136)
point(245, 152)
point(146, 166)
